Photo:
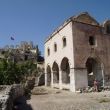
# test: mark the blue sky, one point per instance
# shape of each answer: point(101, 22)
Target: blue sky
point(34, 20)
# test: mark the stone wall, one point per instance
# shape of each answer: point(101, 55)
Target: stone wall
point(8, 93)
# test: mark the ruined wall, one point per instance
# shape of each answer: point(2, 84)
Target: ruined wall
point(8, 94)
point(83, 50)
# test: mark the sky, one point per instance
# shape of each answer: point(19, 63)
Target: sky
point(35, 20)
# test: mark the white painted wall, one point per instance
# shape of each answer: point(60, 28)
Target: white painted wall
point(61, 51)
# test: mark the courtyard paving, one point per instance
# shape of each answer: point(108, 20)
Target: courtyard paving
point(65, 100)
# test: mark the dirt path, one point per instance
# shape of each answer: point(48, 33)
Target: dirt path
point(71, 101)
point(65, 100)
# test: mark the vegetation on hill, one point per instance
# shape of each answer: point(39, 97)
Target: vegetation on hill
point(17, 65)
point(12, 72)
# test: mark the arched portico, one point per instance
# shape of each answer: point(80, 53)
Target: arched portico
point(65, 68)
point(55, 70)
point(48, 75)
point(94, 71)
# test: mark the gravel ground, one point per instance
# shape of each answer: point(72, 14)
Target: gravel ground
point(71, 101)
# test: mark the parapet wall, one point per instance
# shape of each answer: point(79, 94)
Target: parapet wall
point(8, 93)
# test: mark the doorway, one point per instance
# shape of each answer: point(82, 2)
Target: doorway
point(94, 71)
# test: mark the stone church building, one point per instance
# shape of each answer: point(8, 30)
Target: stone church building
point(77, 53)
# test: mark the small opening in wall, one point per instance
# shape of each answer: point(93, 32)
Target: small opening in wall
point(48, 51)
point(55, 47)
point(64, 42)
point(91, 40)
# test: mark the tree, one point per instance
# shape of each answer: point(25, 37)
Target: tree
point(12, 72)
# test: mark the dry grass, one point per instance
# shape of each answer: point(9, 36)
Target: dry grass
point(104, 100)
point(39, 91)
point(44, 90)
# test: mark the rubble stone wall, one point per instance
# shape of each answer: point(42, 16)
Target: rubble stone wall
point(8, 93)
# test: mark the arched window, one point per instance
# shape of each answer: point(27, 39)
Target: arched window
point(48, 51)
point(91, 40)
point(64, 42)
point(55, 47)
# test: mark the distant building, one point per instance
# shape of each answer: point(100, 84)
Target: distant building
point(77, 53)
point(24, 51)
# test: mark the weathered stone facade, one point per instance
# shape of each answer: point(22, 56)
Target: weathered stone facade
point(77, 53)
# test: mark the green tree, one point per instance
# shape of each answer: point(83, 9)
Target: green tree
point(12, 72)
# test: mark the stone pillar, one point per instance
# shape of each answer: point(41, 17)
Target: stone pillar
point(45, 79)
point(102, 67)
point(72, 80)
point(36, 81)
point(81, 78)
point(60, 79)
point(52, 79)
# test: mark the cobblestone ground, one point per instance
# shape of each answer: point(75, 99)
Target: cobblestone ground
point(71, 101)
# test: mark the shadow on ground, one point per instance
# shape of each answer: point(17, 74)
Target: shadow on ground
point(21, 104)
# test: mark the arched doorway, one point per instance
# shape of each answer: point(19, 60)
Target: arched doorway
point(48, 75)
point(94, 71)
point(55, 69)
point(65, 70)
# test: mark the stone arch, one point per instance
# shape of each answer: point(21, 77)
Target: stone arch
point(55, 70)
point(65, 68)
point(48, 75)
point(94, 71)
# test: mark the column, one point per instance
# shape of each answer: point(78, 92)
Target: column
point(45, 79)
point(79, 78)
point(60, 79)
point(102, 67)
point(52, 79)
point(72, 80)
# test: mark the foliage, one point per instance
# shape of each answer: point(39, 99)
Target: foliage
point(12, 72)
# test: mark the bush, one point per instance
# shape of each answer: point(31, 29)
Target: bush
point(12, 72)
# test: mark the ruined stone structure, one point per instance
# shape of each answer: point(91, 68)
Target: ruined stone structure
point(23, 52)
point(77, 53)
point(8, 94)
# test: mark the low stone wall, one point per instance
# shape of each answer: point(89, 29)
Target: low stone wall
point(40, 80)
point(8, 93)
